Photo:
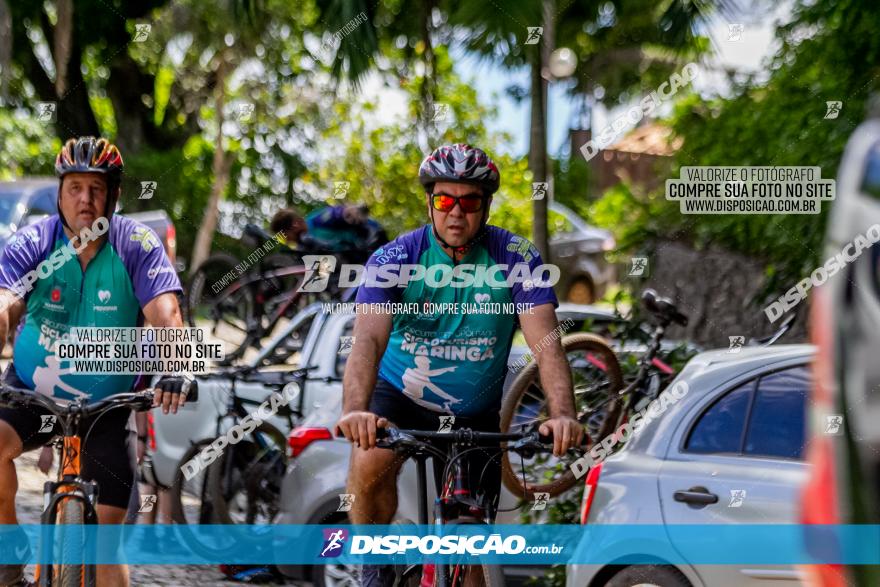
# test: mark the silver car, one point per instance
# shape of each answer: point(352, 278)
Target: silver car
point(579, 250)
point(731, 451)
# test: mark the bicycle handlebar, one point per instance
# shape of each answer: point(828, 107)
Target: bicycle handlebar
point(140, 401)
point(393, 437)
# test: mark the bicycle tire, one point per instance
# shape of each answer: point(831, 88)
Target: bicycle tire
point(178, 488)
point(241, 302)
point(71, 512)
point(205, 514)
point(216, 265)
point(216, 489)
point(492, 575)
point(524, 382)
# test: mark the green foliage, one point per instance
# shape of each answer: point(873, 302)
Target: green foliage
point(29, 146)
point(183, 178)
point(381, 162)
point(778, 122)
point(782, 123)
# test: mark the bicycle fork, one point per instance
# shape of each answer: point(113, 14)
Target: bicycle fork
point(57, 494)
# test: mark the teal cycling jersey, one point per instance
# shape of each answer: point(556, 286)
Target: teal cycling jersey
point(454, 360)
point(130, 269)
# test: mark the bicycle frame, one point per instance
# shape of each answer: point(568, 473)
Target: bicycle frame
point(69, 485)
point(456, 493)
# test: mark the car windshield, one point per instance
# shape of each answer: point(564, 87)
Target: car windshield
point(9, 200)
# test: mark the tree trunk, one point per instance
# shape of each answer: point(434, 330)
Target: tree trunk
point(5, 49)
point(75, 115)
point(538, 161)
point(427, 87)
point(221, 164)
point(125, 86)
point(63, 40)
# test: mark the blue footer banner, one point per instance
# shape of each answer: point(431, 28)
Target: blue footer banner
point(472, 543)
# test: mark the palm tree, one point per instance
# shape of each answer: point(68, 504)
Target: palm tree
point(621, 45)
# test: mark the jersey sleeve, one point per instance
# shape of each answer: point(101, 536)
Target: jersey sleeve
point(24, 251)
point(532, 281)
point(145, 259)
point(384, 265)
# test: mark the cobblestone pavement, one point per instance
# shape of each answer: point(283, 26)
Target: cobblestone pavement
point(29, 504)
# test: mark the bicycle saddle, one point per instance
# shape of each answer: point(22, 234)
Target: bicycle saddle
point(662, 307)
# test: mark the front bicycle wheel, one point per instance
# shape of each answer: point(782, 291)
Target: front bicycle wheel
point(70, 520)
point(596, 378)
point(245, 482)
point(465, 573)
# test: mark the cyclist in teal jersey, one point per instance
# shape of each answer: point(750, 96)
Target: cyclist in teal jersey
point(412, 368)
point(81, 267)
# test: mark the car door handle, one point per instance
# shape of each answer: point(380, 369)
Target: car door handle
point(699, 495)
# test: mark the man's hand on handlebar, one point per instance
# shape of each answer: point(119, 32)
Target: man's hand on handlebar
point(172, 391)
point(566, 432)
point(360, 427)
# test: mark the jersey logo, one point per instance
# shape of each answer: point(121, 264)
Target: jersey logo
point(104, 296)
point(56, 295)
point(395, 253)
point(19, 239)
point(145, 237)
point(525, 249)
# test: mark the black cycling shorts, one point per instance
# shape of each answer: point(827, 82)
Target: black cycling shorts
point(483, 466)
point(109, 454)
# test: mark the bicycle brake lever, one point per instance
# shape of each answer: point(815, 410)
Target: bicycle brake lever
point(387, 437)
point(527, 445)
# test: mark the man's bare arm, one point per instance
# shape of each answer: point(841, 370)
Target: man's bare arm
point(540, 329)
point(11, 309)
point(371, 332)
point(357, 424)
point(163, 311)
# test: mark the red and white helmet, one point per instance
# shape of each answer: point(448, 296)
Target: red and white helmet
point(460, 163)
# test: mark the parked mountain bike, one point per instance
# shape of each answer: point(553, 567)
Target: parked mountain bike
point(69, 500)
point(242, 485)
point(604, 401)
point(242, 304)
point(458, 502)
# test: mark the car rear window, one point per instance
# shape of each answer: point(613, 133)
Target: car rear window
point(720, 427)
point(774, 407)
point(777, 424)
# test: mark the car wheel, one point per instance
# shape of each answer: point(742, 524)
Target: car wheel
point(581, 291)
point(336, 576)
point(649, 576)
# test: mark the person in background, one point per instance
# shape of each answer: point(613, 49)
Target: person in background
point(334, 228)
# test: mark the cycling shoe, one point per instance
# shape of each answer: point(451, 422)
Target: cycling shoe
point(254, 575)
